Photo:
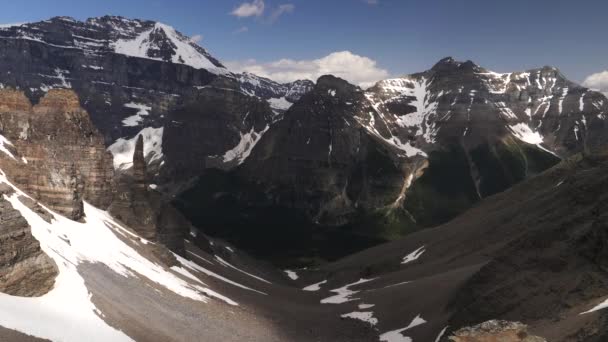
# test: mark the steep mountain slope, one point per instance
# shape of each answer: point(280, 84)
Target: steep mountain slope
point(407, 153)
point(109, 283)
point(131, 75)
point(533, 254)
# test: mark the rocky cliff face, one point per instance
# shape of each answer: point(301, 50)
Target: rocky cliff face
point(57, 156)
point(24, 269)
point(319, 160)
point(410, 152)
point(132, 75)
point(144, 209)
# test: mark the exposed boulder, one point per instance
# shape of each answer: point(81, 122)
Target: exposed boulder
point(495, 331)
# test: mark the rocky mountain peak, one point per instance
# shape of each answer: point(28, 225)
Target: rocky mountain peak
point(335, 86)
point(139, 163)
point(63, 100)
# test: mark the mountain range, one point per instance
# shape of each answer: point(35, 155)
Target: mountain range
point(139, 174)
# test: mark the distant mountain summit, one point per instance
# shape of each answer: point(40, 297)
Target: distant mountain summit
point(409, 152)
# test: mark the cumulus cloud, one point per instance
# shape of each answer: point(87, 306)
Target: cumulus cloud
point(598, 81)
point(279, 11)
point(356, 69)
point(249, 9)
point(197, 38)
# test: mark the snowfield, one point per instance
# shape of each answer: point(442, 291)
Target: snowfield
point(67, 313)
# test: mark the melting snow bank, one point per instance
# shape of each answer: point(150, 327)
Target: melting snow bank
point(396, 336)
point(414, 255)
point(343, 294)
point(314, 287)
point(367, 316)
point(291, 274)
point(123, 149)
point(134, 120)
point(66, 313)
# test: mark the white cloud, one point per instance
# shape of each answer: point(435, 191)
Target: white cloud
point(356, 69)
point(598, 81)
point(11, 25)
point(249, 9)
point(279, 11)
point(197, 38)
point(242, 29)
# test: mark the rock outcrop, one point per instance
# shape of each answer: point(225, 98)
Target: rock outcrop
point(24, 268)
point(59, 156)
point(495, 331)
point(144, 209)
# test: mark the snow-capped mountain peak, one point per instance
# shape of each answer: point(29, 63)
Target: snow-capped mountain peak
point(163, 42)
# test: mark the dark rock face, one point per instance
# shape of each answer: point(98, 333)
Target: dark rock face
point(24, 269)
point(139, 164)
point(132, 75)
point(319, 160)
point(59, 156)
point(411, 152)
point(145, 210)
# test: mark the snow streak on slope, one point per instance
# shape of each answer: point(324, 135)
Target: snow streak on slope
point(413, 256)
point(123, 149)
point(3, 143)
point(145, 46)
point(423, 100)
point(227, 264)
point(66, 313)
point(242, 150)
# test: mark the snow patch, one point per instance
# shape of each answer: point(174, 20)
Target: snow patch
point(365, 316)
point(3, 143)
point(69, 244)
point(123, 149)
point(314, 287)
point(185, 50)
point(279, 103)
point(135, 120)
point(397, 336)
point(291, 274)
point(243, 149)
point(413, 255)
point(344, 293)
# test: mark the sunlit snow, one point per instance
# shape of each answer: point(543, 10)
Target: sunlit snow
point(123, 149)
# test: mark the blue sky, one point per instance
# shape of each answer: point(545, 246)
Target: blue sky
point(401, 36)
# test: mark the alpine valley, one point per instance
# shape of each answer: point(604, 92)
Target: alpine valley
point(149, 193)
